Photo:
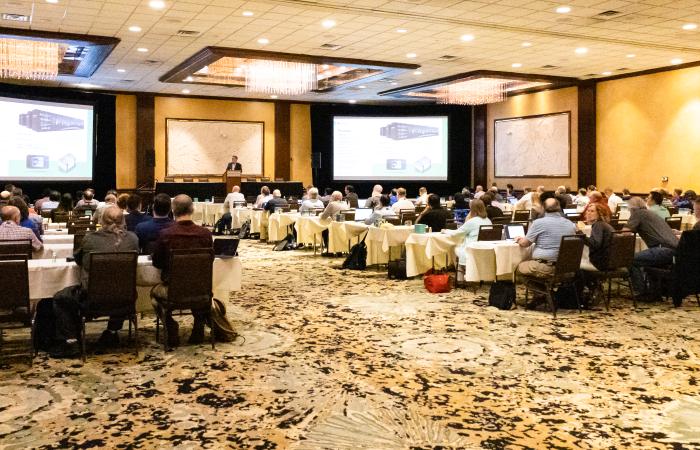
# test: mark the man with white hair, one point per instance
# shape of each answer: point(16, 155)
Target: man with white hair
point(110, 200)
point(478, 192)
point(335, 206)
point(234, 196)
point(277, 201)
point(311, 203)
point(10, 229)
point(373, 200)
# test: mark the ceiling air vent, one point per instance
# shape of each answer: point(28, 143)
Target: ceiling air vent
point(15, 17)
point(188, 33)
point(152, 62)
point(448, 58)
point(331, 46)
point(622, 69)
point(549, 67)
point(609, 14)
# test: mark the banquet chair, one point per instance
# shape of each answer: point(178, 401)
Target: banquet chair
point(60, 217)
point(521, 215)
point(74, 227)
point(451, 225)
point(349, 215)
point(16, 247)
point(169, 179)
point(490, 233)
point(46, 214)
point(622, 249)
point(219, 199)
point(394, 220)
point(15, 306)
point(188, 180)
point(674, 222)
point(408, 214)
point(78, 239)
point(203, 180)
point(264, 178)
point(190, 286)
point(501, 220)
point(683, 276)
point(574, 217)
point(420, 209)
point(672, 210)
point(111, 291)
point(565, 270)
point(618, 225)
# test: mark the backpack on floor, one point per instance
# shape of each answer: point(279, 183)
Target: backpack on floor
point(502, 295)
point(245, 231)
point(220, 326)
point(44, 327)
point(357, 259)
point(396, 269)
point(287, 243)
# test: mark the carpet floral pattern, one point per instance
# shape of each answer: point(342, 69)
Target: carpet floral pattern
point(334, 359)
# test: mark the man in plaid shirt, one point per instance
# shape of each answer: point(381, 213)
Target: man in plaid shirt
point(10, 229)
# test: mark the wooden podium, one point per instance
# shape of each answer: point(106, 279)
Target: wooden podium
point(232, 178)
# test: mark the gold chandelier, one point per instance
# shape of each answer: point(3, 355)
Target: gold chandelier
point(477, 91)
point(29, 59)
point(281, 77)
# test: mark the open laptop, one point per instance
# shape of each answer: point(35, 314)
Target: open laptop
point(568, 211)
point(514, 230)
point(226, 247)
point(361, 214)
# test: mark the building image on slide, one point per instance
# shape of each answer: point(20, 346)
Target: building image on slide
point(41, 121)
point(400, 131)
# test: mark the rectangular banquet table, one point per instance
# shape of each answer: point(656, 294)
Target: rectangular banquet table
point(424, 250)
point(380, 241)
point(309, 229)
point(63, 238)
point(341, 235)
point(278, 225)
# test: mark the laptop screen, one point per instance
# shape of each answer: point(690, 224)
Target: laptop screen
point(513, 231)
point(570, 211)
point(362, 213)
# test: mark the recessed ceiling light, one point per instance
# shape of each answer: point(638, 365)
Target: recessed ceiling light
point(273, 96)
point(526, 44)
point(86, 86)
point(417, 72)
point(402, 30)
point(690, 26)
point(156, 4)
point(606, 73)
point(185, 91)
point(581, 50)
point(630, 55)
point(325, 67)
point(411, 55)
point(121, 70)
point(362, 87)
point(467, 37)
point(135, 29)
point(142, 49)
point(676, 61)
point(248, 13)
point(563, 9)
point(352, 101)
point(516, 65)
point(394, 83)
point(188, 79)
point(263, 41)
point(51, 1)
point(328, 23)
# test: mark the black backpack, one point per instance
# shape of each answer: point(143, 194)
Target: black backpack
point(396, 269)
point(502, 295)
point(287, 243)
point(357, 259)
point(245, 230)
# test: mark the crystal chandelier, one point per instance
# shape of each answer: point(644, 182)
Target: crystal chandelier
point(477, 91)
point(28, 59)
point(281, 77)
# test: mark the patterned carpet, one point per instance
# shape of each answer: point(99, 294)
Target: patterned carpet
point(334, 359)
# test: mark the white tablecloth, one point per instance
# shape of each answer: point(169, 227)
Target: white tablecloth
point(58, 238)
point(380, 240)
point(47, 277)
point(56, 226)
point(62, 251)
point(55, 232)
point(239, 216)
point(484, 260)
point(278, 225)
point(257, 218)
point(341, 235)
point(422, 248)
point(207, 212)
point(309, 229)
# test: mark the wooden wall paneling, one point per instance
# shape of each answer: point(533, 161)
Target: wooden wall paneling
point(145, 140)
point(283, 150)
point(479, 147)
point(587, 134)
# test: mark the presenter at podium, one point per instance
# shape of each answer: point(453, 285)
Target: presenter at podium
point(234, 164)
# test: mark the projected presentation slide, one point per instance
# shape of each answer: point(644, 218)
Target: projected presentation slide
point(45, 140)
point(390, 148)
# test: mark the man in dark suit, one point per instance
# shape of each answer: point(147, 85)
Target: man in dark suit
point(234, 164)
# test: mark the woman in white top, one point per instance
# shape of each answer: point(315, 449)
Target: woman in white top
point(313, 202)
point(476, 218)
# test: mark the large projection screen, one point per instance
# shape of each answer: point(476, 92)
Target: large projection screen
point(45, 140)
point(390, 148)
point(533, 146)
point(204, 147)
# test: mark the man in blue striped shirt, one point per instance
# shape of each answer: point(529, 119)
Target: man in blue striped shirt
point(546, 234)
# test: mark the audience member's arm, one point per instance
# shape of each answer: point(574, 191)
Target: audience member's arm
point(36, 243)
point(327, 212)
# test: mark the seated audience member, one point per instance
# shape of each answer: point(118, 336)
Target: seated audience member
point(597, 197)
point(351, 196)
point(65, 206)
point(581, 200)
point(654, 201)
point(183, 234)
point(510, 191)
point(44, 198)
point(149, 230)
point(373, 200)
point(263, 197)
point(665, 198)
point(306, 192)
point(422, 196)
point(496, 196)
point(626, 195)
point(122, 201)
point(402, 202)
point(660, 240)
point(696, 212)
point(110, 200)
point(53, 201)
point(277, 201)
point(5, 197)
point(559, 198)
point(688, 200)
point(466, 192)
point(380, 211)
point(545, 234)
point(613, 200)
point(233, 197)
point(111, 237)
point(135, 216)
point(561, 194)
point(491, 211)
point(335, 206)
point(476, 218)
point(392, 197)
point(478, 191)
point(677, 196)
point(88, 200)
point(525, 201)
point(434, 215)
point(25, 221)
point(10, 229)
point(109, 192)
point(459, 201)
point(311, 203)
point(326, 197)
point(601, 236)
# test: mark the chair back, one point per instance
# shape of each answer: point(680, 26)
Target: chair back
point(349, 215)
point(16, 247)
point(219, 199)
point(203, 180)
point(490, 232)
point(14, 279)
point(521, 215)
point(46, 214)
point(622, 249)
point(78, 239)
point(451, 225)
point(112, 284)
point(191, 273)
point(672, 209)
point(317, 211)
point(420, 208)
point(188, 180)
point(60, 217)
point(502, 219)
point(569, 259)
point(408, 214)
point(81, 226)
point(169, 179)
point(674, 222)
point(574, 217)
point(394, 220)
point(618, 225)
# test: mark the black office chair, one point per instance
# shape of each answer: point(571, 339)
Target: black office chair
point(622, 249)
point(521, 215)
point(16, 247)
point(490, 233)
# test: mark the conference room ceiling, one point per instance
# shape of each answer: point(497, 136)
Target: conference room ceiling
point(444, 37)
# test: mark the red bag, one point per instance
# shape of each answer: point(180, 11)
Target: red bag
point(437, 283)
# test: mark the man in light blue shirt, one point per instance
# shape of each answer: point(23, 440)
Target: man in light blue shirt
point(654, 204)
point(546, 234)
